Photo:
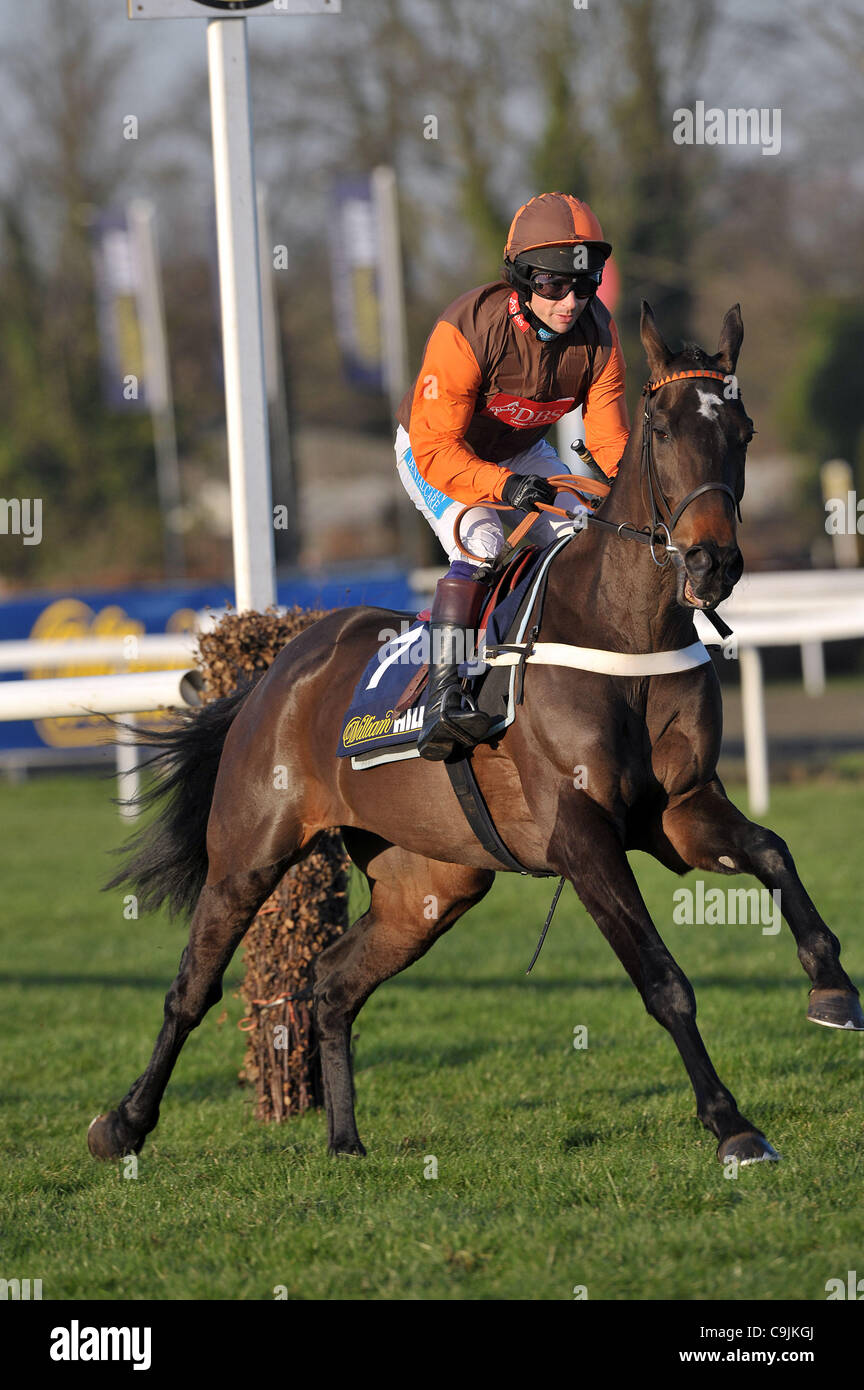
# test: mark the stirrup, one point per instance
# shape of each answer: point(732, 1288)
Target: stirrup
point(453, 727)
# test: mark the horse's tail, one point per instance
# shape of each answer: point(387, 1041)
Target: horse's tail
point(167, 860)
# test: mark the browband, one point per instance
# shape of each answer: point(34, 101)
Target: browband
point(681, 376)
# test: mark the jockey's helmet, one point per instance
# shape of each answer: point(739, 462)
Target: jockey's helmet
point(554, 232)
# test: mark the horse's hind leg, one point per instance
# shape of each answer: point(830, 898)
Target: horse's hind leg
point(224, 912)
point(414, 901)
point(708, 832)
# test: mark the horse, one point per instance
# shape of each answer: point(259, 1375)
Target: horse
point(649, 743)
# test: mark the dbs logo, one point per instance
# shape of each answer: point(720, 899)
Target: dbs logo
point(522, 414)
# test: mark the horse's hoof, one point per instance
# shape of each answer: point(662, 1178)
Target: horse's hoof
point(836, 1008)
point(351, 1148)
point(109, 1137)
point(751, 1147)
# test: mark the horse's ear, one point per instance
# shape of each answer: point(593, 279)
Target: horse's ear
point(656, 350)
point(731, 338)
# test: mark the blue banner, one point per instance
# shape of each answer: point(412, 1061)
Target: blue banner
point(116, 276)
point(354, 252)
point(86, 613)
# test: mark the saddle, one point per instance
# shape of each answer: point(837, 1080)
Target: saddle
point(516, 569)
point(386, 712)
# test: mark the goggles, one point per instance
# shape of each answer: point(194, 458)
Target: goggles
point(548, 285)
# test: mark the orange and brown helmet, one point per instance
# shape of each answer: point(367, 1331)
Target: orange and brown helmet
point(548, 229)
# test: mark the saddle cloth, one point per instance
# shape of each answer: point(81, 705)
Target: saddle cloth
point(385, 716)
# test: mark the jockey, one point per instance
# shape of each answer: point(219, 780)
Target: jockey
point(501, 365)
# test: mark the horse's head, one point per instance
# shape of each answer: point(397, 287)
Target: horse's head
point(695, 433)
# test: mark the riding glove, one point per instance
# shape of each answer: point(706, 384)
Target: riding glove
point(525, 491)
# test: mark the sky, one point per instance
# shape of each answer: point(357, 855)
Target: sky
point(166, 51)
point(787, 65)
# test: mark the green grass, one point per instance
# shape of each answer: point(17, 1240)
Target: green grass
point(556, 1167)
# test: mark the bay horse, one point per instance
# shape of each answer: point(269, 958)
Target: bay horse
point(650, 744)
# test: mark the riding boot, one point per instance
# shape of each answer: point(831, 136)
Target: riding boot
point(452, 720)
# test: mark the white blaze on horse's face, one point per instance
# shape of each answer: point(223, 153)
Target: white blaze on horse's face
point(709, 404)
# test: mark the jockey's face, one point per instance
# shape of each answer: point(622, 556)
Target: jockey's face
point(557, 314)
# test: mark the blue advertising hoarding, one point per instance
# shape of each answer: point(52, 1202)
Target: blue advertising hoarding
point(67, 615)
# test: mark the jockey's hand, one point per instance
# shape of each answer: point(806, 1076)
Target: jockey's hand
point(525, 491)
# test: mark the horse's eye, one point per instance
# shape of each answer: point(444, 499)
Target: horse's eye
point(661, 434)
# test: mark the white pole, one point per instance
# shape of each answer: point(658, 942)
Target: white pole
point(135, 693)
point(755, 738)
point(90, 655)
point(128, 777)
point(838, 484)
point(240, 293)
point(813, 667)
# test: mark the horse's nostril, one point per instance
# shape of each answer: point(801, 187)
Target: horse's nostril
point(698, 561)
point(734, 567)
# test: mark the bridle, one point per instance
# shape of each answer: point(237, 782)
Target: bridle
point(648, 470)
point(652, 535)
point(659, 525)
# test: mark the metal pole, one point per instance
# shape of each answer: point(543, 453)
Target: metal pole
point(157, 380)
point(240, 293)
point(755, 738)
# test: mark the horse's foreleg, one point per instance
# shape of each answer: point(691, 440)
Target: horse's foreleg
point(221, 918)
point(414, 901)
point(708, 832)
point(588, 849)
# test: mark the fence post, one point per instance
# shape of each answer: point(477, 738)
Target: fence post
point(755, 738)
point(813, 667)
